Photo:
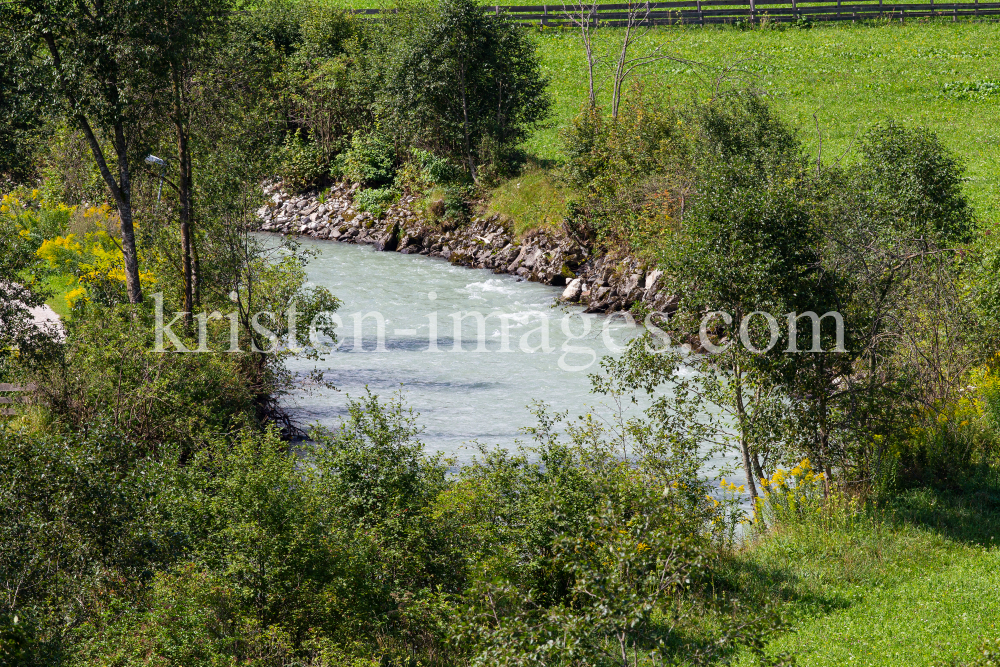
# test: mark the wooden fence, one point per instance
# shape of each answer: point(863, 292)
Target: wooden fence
point(7, 388)
point(702, 12)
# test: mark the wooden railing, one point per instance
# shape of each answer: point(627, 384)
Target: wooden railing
point(733, 11)
point(7, 388)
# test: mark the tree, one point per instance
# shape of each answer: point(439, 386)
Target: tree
point(466, 83)
point(747, 246)
point(96, 57)
point(896, 227)
point(186, 29)
point(637, 21)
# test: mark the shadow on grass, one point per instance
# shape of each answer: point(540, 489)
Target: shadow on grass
point(741, 604)
point(968, 512)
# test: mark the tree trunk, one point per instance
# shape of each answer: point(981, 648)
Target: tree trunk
point(824, 444)
point(121, 190)
point(129, 252)
point(465, 121)
point(619, 77)
point(744, 426)
point(184, 192)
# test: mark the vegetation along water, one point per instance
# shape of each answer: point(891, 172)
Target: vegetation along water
point(431, 337)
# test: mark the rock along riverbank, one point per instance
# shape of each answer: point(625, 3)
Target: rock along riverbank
point(602, 283)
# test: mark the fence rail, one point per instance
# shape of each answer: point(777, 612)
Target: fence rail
point(702, 12)
point(7, 388)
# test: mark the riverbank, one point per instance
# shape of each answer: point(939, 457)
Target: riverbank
point(600, 282)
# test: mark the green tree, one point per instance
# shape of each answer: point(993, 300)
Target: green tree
point(97, 59)
point(748, 245)
point(466, 83)
point(187, 29)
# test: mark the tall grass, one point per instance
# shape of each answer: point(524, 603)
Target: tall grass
point(532, 201)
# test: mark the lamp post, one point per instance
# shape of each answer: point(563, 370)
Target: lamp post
point(152, 159)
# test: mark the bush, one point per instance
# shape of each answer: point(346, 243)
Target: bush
point(109, 372)
point(301, 162)
point(370, 160)
point(912, 179)
point(79, 521)
point(435, 169)
point(375, 200)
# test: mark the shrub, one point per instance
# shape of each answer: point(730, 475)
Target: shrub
point(301, 162)
point(109, 372)
point(375, 200)
point(78, 523)
point(913, 180)
point(435, 169)
point(369, 161)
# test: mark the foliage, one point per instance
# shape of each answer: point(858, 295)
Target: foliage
point(914, 181)
point(978, 90)
point(301, 162)
point(77, 525)
point(95, 261)
point(464, 84)
point(109, 371)
point(18, 261)
point(370, 160)
point(375, 200)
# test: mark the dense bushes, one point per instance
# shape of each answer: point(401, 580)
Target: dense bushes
point(723, 198)
point(449, 79)
point(356, 549)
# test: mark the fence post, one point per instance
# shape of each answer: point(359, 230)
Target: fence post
point(545, 16)
point(954, 13)
point(753, 10)
point(795, 9)
point(593, 16)
point(977, 9)
point(701, 17)
point(838, 10)
point(497, 9)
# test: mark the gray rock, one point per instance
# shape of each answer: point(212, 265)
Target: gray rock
point(653, 280)
point(573, 290)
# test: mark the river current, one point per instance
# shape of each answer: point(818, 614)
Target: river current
point(476, 389)
point(396, 332)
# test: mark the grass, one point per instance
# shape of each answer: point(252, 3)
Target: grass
point(915, 583)
point(848, 76)
point(532, 201)
point(59, 285)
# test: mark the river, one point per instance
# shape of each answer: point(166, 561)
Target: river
point(476, 391)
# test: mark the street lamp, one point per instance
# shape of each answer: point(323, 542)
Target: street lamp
point(152, 159)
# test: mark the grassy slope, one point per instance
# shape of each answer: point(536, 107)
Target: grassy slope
point(921, 586)
point(849, 76)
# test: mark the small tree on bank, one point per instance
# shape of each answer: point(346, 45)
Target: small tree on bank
point(466, 84)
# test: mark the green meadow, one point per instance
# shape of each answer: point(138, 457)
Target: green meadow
point(843, 77)
point(916, 582)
